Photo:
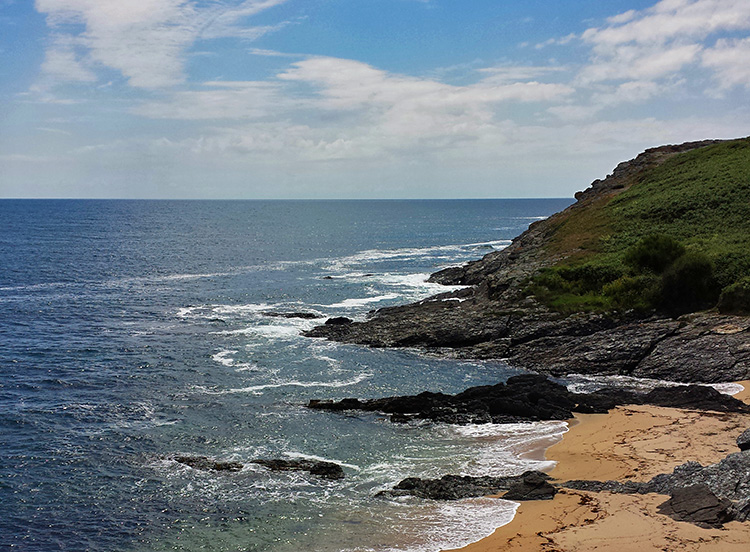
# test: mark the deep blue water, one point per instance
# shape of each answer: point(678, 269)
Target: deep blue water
point(131, 331)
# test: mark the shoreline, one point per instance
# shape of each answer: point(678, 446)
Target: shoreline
point(629, 443)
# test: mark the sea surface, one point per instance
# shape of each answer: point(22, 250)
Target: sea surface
point(134, 331)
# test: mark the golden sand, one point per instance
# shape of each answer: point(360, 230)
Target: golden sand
point(629, 443)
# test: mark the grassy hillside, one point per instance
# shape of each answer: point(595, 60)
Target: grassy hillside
point(693, 210)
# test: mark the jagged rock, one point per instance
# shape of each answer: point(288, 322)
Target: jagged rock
point(207, 464)
point(698, 505)
point(526, 398)
point(338, 321)
point(455, 487)
point(303, 315)
point(532, 486)
point(743, 441)
point(728, 479)
point(329, 470)
point(695, 397)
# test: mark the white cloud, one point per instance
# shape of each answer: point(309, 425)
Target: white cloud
point(730, 59)
point(223, 100)
point(350, 84)
point(672, 19)
point(146, 40)
point(61, 62)
point(660, 41)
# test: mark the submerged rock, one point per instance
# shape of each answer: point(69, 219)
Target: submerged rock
point(303, 315)
point(207, 464)
point(329, 470)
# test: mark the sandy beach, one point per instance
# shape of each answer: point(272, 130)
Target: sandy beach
point(629, 443)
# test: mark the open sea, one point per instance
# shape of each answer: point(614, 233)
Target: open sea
point(134, 331)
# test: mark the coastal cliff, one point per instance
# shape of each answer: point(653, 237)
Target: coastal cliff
point(560, 299)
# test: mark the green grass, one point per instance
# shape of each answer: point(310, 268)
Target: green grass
point(700, 198)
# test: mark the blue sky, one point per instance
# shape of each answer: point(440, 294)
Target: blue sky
point(357, 98)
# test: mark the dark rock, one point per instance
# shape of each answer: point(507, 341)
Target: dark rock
point(728, 480)
point(695, 397)
point(207, 464)
point(532, 486)
point(303, 315)
point(698, 505)
point(329, 470)
point(455, 487)
point(528, 397)
point(743, 441)
point(338, 321)
point(620, 487)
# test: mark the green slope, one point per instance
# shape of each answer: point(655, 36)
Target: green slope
point(700, 198)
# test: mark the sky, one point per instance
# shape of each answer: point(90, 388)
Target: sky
point(261, 99)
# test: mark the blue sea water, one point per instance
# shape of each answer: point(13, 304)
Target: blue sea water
point(133, 331)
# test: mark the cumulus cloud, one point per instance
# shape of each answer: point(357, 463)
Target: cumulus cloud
point(660, 41)
point(730, 60)
point(146, 40)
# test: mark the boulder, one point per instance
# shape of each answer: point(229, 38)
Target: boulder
point(532, 486)
point(743, 441)
point(697, 504)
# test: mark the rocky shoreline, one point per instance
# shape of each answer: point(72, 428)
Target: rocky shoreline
point(495, 318)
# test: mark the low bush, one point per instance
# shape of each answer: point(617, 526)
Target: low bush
point(689, 284)
point(735, 298)
point(655, 253)
point(640, 293)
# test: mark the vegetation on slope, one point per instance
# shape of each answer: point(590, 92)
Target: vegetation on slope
point(673, 240)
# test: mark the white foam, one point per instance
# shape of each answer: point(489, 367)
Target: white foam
point(431, 526)
point(585, 384)
point(321, 459)
point(224, 358)
point(508, 449)
point(358, 302)
point(291, 383)
point(437, 251)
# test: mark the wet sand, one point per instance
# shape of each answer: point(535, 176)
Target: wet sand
point(629, 443)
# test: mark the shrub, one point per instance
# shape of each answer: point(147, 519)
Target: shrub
point(655, 253)
point(640, 293)
point(689, 284)
point(735, 298)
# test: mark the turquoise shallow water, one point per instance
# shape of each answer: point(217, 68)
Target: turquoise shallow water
point(134, 330)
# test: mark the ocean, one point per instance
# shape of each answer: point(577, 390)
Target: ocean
point(135, 331)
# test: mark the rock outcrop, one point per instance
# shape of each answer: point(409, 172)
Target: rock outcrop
point(727, 480)
point(456, 487)
point(529, 397)
point(495, 317)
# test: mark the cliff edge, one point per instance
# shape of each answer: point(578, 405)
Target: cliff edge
point(565, 297)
